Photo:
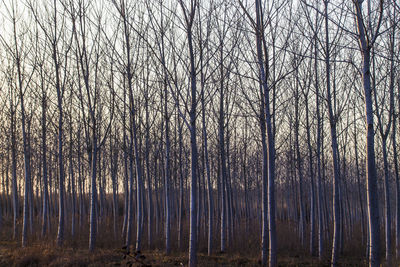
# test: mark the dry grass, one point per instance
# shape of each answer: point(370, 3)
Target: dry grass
point(43, 254)
point(47, 255)
point(244, 250)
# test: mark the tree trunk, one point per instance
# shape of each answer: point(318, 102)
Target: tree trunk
point(319, 176)
point(372, 183)
point(268, 202)
point(93, 194)
point(334, 144)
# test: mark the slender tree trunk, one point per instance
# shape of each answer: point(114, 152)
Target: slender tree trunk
point(24, 139)
point(360, 198)
point(388, 217)
point(44, 166)
point(93, 194)
point(207, 169)
point(126, 179)
point(149, 183)
point(138, 190)
point(167, 176)
point(26, 170)
point(14, 170)
point(311, 173)
point(189, 17)
point(299, 162)
point(334, 144)
point(114, 169)
point(372, 183)
point(396, 167)
point(384, 133)
point(129, 225)
point(319, 178)
point(60, 234)
point(72, 183)
point(224, 178)
point(14, 167)
point(180, 212)
point(30, 185)
point(268, 202)
point(80, 182)
point(167, 170)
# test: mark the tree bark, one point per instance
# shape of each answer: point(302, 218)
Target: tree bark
point(372, 184)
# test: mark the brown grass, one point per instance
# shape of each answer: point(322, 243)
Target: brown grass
point(243, 249)
point(42, 254)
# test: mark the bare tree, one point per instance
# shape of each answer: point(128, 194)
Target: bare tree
point(189, 12)
point(367, 38)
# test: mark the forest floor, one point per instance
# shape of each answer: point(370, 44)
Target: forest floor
point(243, 251)
point(48, 254)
